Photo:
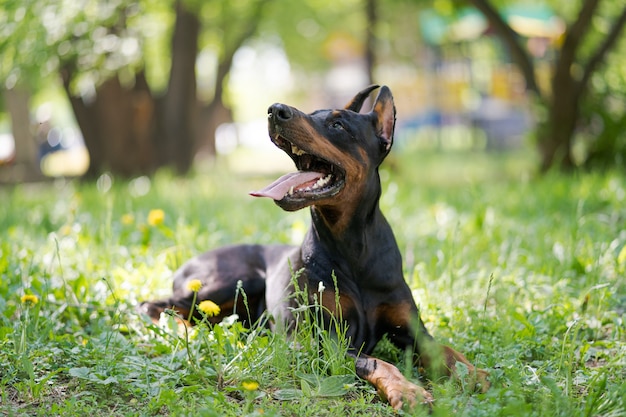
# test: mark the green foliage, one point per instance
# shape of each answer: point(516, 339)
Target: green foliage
point(97, 38)
point(523, 275)
point(307, 29)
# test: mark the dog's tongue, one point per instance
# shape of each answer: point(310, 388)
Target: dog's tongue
point(279, 188)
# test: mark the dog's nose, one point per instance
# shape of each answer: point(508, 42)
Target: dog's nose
point(279, 112)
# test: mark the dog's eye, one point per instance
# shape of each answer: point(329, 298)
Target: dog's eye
point(337, 125)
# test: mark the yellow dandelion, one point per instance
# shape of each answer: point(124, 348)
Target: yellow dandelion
point(128, 219)
point(66, 230)
point(209, 308)
point(29, 299)
point(250, 385)
point(156, 217)
point(194, 285)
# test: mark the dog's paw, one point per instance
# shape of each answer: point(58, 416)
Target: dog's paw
point(391, 385)
point(479, 379)
point(403, 393)
point(396, 389)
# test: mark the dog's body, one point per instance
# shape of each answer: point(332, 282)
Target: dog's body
point(337, 153)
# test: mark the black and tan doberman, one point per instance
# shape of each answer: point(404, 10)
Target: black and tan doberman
point(337, 154)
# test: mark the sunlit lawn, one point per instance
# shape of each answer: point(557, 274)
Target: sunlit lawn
point(524, 275)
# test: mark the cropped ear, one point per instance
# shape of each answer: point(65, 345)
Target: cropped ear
point(357, 102)
point(384, 113)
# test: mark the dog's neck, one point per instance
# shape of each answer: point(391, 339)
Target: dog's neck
point(348, 232)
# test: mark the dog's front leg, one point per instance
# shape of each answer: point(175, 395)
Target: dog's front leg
point(390, 383)
point(440, 360)
point(478, 378)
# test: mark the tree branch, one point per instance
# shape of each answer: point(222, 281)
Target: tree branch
point(224, 65)
point(520, 56)
point(573, 36)
point(576, 31)
point(597, 58)
point(371, 13)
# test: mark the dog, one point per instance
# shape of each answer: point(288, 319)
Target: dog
point(349, 248)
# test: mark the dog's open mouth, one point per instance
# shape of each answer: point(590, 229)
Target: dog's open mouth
point(315, 179)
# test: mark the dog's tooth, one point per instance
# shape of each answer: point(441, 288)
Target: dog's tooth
point(290, 190)
point(296, 151)
point(322, 182)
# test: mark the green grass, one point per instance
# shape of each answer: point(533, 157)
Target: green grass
point(524, 275)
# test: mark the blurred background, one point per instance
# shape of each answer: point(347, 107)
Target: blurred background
point(128, 87)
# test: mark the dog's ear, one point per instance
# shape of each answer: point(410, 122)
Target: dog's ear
point(357, 102)
point(384, 112)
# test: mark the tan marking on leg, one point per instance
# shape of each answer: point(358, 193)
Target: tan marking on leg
point(442, 360)
point(391, 385)
point(478, 378)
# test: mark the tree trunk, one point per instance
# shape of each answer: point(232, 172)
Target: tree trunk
point(25, 164)
point(129, 132)
point(126, 130)
point(555, 144)
point(217, 112)
point(117, 126)
point(555, 138)
point(179, 108)
point(212, 115)
point(371, 14)
point(556, 134)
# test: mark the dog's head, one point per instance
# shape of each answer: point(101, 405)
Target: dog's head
point(337, 152)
